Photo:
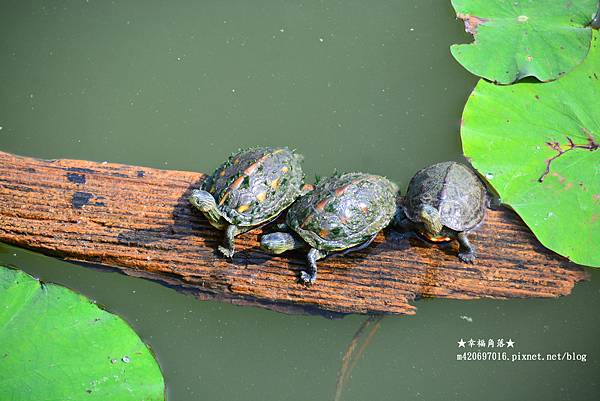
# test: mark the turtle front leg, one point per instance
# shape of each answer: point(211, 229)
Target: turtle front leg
point(401, 220)
point(493, 202)
point(403, 226)
point(466, 252)
point(228, 247)
point(309, 277)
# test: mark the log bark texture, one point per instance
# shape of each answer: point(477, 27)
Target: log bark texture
point(138, 220)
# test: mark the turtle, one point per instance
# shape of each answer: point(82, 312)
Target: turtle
point(343, 213)
point(443, 202)
point(250, 189)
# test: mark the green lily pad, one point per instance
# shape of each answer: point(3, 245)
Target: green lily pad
point(56, 345)
point(521, 38)
point(538, 146)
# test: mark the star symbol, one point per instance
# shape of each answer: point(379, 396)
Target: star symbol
point(510, 343)
point(461, 343)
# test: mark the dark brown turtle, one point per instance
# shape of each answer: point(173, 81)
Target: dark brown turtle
point(342, 214)
point(250, 189)
point(443, 202)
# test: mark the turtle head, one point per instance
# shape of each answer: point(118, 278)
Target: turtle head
point(276, 243)
point(202, 200)
point(430, 217)
point(206, 203)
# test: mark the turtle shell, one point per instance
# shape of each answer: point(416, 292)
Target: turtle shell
point(344, 211)
point(453, 189)
point(254, 185)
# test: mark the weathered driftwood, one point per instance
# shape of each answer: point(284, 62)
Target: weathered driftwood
point(138, 220)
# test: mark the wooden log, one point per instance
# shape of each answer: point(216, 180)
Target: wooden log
point(138, 220)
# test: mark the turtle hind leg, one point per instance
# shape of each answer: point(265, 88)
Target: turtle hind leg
point(309, 276)
point(228, 247)
point(466, 252)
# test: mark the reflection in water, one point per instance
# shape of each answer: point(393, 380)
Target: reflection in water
point(350, 359)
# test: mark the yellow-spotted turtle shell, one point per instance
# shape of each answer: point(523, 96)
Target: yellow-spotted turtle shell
point(344, 211)
point(453, 189)
point(254, 185)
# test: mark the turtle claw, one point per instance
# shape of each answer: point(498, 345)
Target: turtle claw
point(307, 278)
point(467, 257)
point(228, 253)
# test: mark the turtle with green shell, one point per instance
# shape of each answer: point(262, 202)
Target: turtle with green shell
point(343, 213)
point(249, 189)
point(443, 202)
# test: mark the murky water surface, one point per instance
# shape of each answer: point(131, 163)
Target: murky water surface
point(352, 85)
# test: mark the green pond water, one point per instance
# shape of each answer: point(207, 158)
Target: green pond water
point(353, 85)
